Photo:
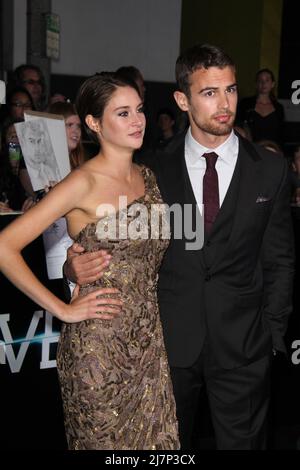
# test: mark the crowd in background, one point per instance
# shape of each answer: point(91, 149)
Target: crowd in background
point(260, 118)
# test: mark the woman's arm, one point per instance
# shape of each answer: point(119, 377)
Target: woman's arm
point(65, 197)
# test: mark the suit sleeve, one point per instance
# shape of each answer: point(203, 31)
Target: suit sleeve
point(278, 264)
point(66, 286)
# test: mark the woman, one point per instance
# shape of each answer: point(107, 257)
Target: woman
point(73, 131)
point(113, 368)
point(18, 101)
point(12, 195)
point(10, 145)
point(262, 114)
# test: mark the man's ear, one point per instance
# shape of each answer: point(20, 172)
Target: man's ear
point(93, 123)
point(181, 100)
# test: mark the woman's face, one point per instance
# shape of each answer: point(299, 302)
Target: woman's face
point(73, 130)
point(123, 121)
point(264, 83)
point(19, 103)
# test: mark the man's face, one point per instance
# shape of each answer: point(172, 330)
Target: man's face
point(36, 146)
point(211, 106)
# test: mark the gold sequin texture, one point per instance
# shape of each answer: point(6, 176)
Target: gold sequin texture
point(114, 374)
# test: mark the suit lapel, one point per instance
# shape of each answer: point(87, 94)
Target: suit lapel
point(242, 192)
point(251, 182)
point(229, 203)
point(175, 187)
point(175, 184)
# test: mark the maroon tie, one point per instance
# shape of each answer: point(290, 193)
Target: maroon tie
point(210, 191)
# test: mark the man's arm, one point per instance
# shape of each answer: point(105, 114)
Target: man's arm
point(278, 265)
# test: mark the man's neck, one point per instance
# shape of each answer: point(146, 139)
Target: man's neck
point(209, 140)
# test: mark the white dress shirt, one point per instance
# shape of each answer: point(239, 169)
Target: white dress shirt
point(196, 164)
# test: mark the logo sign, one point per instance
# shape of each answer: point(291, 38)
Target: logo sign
point(13, 350)
point(52, 36)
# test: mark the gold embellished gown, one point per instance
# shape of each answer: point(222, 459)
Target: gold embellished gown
point(114, 374)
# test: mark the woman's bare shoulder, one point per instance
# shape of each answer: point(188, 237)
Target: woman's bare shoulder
point(79, 177)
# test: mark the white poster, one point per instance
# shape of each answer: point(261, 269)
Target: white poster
point(56, 242)
point(44, 146)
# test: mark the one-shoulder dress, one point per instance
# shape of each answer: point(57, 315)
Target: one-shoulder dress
point(115, 380)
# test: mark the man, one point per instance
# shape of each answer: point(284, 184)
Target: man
point(225, 306)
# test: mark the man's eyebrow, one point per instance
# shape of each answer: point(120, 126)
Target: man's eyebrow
point(216, 87)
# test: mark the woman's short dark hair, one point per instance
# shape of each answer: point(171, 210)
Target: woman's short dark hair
point(14, 91)
point(95, 93)
point(130, 72)
point(200, 56)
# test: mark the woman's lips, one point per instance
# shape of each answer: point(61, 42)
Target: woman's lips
point(136, 134)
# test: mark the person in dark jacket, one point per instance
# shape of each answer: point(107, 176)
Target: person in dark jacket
point(262, 114)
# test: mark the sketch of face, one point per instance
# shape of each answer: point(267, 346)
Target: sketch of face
point(38, 153)
point(36, 145)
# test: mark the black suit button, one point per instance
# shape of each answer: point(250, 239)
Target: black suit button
point(208, 243)
point(208, 277)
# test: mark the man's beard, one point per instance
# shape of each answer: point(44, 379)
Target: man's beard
point(217, 129)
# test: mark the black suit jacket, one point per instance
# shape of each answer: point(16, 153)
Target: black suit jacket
point(235, 291)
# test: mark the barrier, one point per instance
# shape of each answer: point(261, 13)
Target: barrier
point(31, 407)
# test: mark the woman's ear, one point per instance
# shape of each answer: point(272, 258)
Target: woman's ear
point(93, 123)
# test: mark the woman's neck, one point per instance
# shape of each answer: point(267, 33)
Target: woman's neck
point(263, 99)
point(118, 164)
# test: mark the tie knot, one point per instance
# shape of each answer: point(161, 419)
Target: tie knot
point(211, 159)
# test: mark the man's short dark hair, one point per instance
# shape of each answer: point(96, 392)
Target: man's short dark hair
point(198, 57)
